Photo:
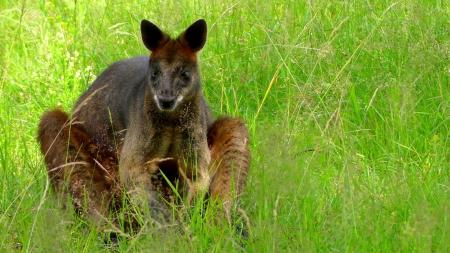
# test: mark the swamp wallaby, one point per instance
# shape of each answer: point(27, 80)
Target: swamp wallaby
point(143, 117)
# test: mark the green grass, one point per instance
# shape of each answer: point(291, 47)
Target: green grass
point(347, 102)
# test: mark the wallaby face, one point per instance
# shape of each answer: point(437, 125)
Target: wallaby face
point(173, 76)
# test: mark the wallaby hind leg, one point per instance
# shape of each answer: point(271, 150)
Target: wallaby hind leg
point(70, 156)
point(230, 157)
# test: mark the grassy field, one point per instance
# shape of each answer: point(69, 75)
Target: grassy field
point(347, 102)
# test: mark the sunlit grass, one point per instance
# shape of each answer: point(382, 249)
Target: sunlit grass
point(347, 104)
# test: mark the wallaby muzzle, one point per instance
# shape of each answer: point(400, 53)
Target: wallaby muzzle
point(167, 103)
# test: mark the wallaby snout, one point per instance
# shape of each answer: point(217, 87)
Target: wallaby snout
point(167, 103)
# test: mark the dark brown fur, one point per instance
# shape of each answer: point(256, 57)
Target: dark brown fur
point(119, 139)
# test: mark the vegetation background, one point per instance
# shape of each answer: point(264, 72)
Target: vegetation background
point(347, 103)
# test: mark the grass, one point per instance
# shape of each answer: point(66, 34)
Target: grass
point(347, 103)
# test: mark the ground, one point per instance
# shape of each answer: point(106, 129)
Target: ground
point(347, 103)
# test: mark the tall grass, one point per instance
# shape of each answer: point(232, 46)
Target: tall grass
point(347, 103)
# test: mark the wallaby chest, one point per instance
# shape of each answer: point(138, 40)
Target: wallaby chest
point(179, 140)
point(168, 141)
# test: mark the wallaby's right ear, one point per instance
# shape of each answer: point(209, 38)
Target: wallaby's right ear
point(152, 36)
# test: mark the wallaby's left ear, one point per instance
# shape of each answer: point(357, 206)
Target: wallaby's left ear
point(195, 35)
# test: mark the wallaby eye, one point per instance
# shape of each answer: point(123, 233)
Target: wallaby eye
point(154, 75)
point(186, 75)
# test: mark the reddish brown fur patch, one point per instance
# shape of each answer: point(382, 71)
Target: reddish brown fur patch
point(174, 50)
point(73, 158)
point(230, 157)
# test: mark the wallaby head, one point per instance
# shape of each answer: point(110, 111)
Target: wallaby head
point(173, 76)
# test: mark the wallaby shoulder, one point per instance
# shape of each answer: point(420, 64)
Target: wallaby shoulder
point(105, 107)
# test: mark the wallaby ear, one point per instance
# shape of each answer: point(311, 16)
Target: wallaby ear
point(195, 35)
point(152, 36)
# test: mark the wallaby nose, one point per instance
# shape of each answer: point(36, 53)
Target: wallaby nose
point(166, 102)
